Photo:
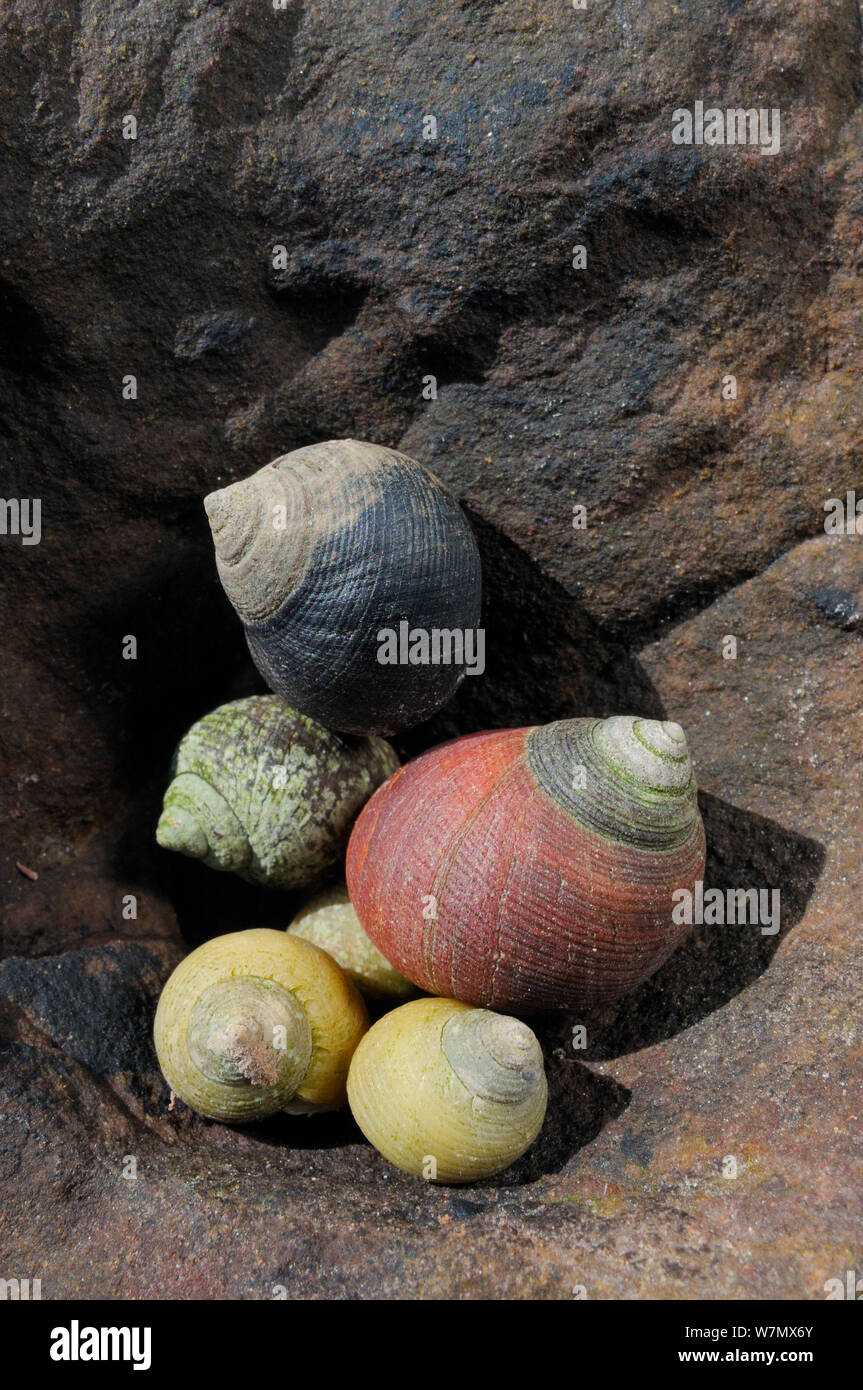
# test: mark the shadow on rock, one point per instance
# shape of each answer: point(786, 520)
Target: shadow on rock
point(715, 963)
point(208, 903)
point(546, 658)
point(580, 1105)
point(192, 656)
point(328, 1130)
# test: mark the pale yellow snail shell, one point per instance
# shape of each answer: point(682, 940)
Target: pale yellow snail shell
point(330, 921)
point(448, 1092)
point(255, 1022)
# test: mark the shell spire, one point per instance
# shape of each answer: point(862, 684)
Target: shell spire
point(495, 1057)
point(197, 821)
point(260, 530)
point(258, 1021)
point(181, 830)
point(625, 777)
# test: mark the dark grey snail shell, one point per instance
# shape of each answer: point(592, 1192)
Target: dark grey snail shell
point(326, 548)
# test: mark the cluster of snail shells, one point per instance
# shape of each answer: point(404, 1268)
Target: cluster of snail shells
point(521, 870)
point(262, 1021)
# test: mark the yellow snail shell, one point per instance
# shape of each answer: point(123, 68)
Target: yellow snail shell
point(255, 1022)
point(448, 1092)
point(330, 921)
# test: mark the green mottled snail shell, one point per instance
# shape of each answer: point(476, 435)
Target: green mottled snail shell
point(267, 793)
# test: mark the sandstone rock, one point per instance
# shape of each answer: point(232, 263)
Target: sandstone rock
point(452, 257)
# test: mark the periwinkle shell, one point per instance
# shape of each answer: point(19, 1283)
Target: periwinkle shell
point(255, 1022)
point(329, 920)
point(447, 1092)
point(326, 548)
point(264, 791)
point(532, 869)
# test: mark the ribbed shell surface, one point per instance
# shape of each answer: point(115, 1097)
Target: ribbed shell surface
point(476, 874)
point(410, 1103)
point(372, 540)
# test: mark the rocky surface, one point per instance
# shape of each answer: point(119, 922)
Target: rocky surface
point(405, 257)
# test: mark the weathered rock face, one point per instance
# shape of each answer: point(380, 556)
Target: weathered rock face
point(405, 258)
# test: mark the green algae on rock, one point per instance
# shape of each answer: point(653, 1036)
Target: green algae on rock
point(265, 792)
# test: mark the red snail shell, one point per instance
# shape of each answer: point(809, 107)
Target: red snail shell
point(532, 869)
